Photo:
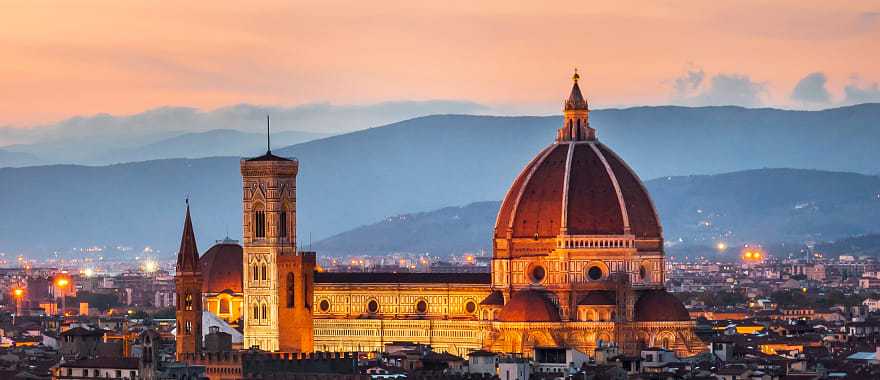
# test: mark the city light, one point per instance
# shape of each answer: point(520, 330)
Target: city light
point(150, 266)
point(752, 254)
point(62, 282)
point(721, 246)
point(18, 292)
point(88, 272)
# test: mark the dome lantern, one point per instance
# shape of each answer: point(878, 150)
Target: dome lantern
point(576, 124)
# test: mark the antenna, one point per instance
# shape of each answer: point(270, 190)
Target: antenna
point(268, 136)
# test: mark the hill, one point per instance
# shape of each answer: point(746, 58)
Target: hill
point(110, 136)
point(756, 206)
point(214, 143)
point(8, 158)
point(416, 165)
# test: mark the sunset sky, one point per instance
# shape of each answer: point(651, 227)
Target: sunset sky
point(68, 58)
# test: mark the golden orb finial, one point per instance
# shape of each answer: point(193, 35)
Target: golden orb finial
point(575, 77)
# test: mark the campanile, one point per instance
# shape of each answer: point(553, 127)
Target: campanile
point(268, 234)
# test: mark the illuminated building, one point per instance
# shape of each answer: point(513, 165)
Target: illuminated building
point(578, 260)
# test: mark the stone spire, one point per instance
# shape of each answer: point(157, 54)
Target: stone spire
point(188, 255)
point(576, 124)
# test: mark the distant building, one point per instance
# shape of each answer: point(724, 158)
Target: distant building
point(102, 368)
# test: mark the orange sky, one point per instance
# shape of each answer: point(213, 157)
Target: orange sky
point(66, 58)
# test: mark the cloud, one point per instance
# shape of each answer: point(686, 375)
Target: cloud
point(688, 83)
point(811, 89)
point(722, 89)
point(858, 92)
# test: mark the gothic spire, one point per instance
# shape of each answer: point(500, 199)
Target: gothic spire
point(188, 255)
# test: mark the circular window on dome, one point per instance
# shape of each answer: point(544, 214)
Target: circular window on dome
point(470, 307)
point(537, 274)
point(594, 273)
point(421, 306)
point(373, 306)
point(324, 305)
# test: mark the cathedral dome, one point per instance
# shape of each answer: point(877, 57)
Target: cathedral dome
point(582, 188)
point(222, 268)
point(529, 306)
point(659, 305)
point(577, 186)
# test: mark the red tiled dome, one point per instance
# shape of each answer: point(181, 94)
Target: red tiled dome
point(580, 187)
point(222, 268)
point(659, 305)
point(529, 306)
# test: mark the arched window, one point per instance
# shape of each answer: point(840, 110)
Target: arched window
point(189, 327)
point(259, 222)
point(256, 312)
point(265, 312)
point(264, 272)
point(290, 290)
point(255, 272)
point(282, 223)
point(224, 306)
point(188, 301)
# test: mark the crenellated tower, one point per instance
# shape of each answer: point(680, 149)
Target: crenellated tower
point(188, 285)
point(269, 237)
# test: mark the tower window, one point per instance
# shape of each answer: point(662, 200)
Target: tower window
point(282, 224)
point(259, 222)
point(256, 312)
point(189, 327)
point(265, 312)
point(188, 302)
point(263, 272)
point(255, 272)
point(307, 303)
point(290, 290)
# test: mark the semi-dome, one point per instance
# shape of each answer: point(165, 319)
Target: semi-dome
point(577, 186)
point(222, 268)
point(659, 305)
point(529, 306)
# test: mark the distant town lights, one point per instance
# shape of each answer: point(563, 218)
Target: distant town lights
point(150, 266)
point(721, 246)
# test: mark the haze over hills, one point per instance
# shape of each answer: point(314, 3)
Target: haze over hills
point(757, 206)
point(214, 143)
point(110, 137)
point(422, 164)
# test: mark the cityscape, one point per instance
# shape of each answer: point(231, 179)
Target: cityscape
point(728, 231)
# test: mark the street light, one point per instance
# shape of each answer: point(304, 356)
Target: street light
point(18, 293)
point(62, 284)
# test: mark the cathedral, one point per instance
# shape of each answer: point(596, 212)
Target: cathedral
point(578, 262)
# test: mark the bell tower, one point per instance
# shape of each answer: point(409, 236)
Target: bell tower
point(188, 286)
point(268, 236)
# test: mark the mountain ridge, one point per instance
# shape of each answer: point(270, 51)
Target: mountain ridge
point(421, 164)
